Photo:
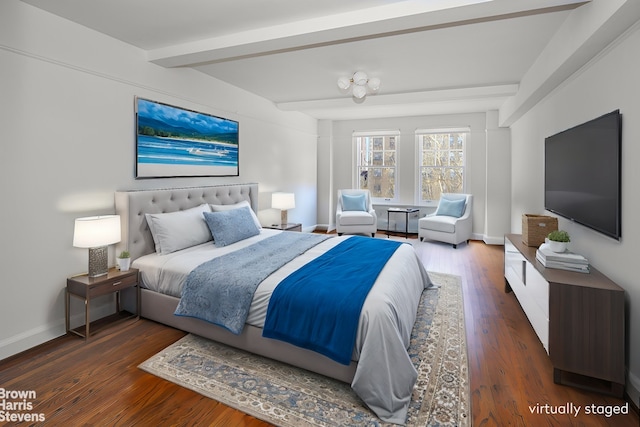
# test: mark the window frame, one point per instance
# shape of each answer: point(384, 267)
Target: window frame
point(419, 166)
point(356, 162)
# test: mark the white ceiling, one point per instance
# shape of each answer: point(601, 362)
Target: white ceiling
point(432, 56)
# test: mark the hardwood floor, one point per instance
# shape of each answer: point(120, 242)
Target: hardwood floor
point(98, 383)
point(511, 375)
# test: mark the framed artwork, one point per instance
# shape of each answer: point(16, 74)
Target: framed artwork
point(175, 142)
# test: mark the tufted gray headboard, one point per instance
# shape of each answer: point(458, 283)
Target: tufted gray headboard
point(132, 205)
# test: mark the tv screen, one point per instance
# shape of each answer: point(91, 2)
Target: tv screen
point(176, 142)
point(582, 174)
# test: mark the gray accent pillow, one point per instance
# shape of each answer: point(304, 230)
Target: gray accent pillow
point(231, 226)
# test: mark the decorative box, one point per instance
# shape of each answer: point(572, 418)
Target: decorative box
point(536, 227)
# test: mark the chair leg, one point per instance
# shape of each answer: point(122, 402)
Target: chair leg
point(373, 234)
point(339, 234)
point(455, 246)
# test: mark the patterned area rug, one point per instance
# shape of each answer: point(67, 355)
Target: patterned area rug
point(286, 396)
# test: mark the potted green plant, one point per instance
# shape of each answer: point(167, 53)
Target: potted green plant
point(558, 240)
point(123, 261)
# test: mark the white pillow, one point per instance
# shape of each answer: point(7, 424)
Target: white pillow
point(242, 204)
point(174, 231)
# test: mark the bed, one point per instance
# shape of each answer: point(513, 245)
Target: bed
point(380, 370)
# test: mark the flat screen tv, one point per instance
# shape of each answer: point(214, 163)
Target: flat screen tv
point(176, 142)
point(582, 174)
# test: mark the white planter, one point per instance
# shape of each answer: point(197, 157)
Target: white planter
point(123, 263)
point(558, 247)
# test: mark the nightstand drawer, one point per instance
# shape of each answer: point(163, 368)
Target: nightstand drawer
point(113, 285)
point(89, 287)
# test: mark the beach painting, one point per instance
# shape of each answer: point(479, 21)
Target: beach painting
point(175, 142)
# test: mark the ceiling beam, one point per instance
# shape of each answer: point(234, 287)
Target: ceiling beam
point(392, 19)
point(441, 95)
point(585, 34)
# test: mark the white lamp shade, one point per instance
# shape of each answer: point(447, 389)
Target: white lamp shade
point(283, 201)
point(374, 83)
point(360, 78)
point(95, 231)
point(344, 83)
point(359, 91)
point(360, 84)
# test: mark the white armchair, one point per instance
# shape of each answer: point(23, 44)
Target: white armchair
point(446, 228)
point(354, 213)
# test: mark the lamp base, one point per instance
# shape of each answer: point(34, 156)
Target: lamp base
point(98, 261)
point(283, 217)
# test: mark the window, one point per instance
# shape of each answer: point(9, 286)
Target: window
point(440, 162)
point(376, 163)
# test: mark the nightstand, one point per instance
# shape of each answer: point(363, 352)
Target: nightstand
point(285, 227)
point(88, 288)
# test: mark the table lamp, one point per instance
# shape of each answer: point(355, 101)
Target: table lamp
point(283, 201)
point(95, 233)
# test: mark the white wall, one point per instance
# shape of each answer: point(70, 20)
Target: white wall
point(341, 152)
point(68, 135)
point(607, 83)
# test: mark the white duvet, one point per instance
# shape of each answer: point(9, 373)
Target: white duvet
point(385, 376)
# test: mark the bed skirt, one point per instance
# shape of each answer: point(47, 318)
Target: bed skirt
point(160, 308)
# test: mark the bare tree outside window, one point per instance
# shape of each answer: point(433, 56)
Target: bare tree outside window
point(441, 163)
point(376, 163)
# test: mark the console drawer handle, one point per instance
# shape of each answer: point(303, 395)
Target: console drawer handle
point(117, 283)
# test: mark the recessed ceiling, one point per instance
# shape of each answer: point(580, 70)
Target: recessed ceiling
point(433, 57)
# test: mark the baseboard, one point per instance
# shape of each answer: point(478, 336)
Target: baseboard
point(29, 339)
point(633, 390)
point(492, 240)
point(41, 334)
point(324, 227)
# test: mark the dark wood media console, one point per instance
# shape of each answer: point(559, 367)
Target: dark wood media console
point(578, 317)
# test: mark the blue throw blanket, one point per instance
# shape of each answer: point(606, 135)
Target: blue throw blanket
point(220, 291)
point(318, 306)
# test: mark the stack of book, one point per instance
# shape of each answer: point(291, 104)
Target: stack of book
point(563, 260)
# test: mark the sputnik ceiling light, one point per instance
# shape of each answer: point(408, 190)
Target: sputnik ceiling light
point(359, 84)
